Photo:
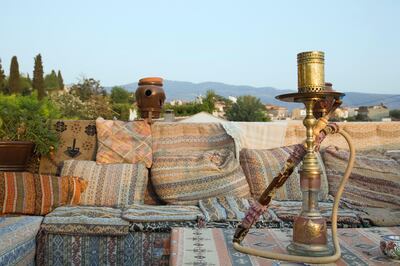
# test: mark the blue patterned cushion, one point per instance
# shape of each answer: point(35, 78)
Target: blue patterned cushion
point(85, 220)
point(18, 239)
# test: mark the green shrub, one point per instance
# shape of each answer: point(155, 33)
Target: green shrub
point(25, 118)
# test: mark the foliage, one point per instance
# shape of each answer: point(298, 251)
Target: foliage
point(60, 80)
point(395, 113)
point(209, 101)
point(70, 106)
point(25, 85)
point(2, 80)
point(87, 87)
point(13, 79)
point(28, 119)
point(122, 110)
point(247, 108)
point(51, 81)
point(119, 95)
point(38, 81)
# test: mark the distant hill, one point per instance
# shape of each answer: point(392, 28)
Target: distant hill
point(188, 91)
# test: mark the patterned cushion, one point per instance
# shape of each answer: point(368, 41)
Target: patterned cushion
point(184, 137)
point(374, 181)
point(26, 193)
point(230, 208)
point(18, 239)
point(288, 210)
point(261, 166)
point(112, 185)
point(85, 220)
point(187, 178)
point(77, 141)
point(149, 213)
point(123, 142)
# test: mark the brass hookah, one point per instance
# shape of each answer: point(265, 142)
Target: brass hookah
point(310, 238)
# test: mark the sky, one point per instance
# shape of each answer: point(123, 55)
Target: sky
point(236, 42)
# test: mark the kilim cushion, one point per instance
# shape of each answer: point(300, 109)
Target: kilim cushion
point(26, 193)
point(230, 208)
point(77, 141)
point(261, 166)
point(123, 142)
point(374, 181)
point(112, 185)
point(185, 137)
point(187, 178)
point(86, 220)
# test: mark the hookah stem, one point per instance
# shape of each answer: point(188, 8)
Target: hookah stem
point(335, 240)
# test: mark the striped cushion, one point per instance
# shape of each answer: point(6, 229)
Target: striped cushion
point(187, 178)
point(137, 213)
point(111, 185)
point(123, 142)
point(261, 166)
point(184, 137)
point(26, 193)
point(374, 181)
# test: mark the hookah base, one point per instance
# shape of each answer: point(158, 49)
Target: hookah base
point(309, 250)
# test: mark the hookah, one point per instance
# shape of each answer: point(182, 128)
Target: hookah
point(310, 240)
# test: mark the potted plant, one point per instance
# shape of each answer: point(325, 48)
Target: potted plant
point(25, 130)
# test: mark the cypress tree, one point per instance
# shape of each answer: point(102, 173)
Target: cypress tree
point(2, 80)
point(60, 81)
point(13, 80)
point(38, 82)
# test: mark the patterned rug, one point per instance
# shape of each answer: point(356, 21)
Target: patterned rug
point(360, 246)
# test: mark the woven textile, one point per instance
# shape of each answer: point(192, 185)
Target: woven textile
point(187, 178)
point(112, 185)
point(178, 138)
point(77, 141)
point(288, 210)
point(123, 142)
point(149, 213)
point(359, 246)
point(85, 220)
point(374, 181)
point(27, 193)
point(135, 248)
point(230, 208)
point(261, 166)
point(18, 239)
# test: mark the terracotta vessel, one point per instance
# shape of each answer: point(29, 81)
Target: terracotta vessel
point(15, 155)
point(150, 97)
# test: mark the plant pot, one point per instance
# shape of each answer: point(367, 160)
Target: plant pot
point(15, 155)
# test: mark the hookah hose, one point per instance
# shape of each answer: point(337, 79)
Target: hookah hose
point(259, 207)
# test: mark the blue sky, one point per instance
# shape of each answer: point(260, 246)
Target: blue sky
point(236, 42)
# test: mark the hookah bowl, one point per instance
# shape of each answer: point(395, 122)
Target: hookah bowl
point(310, 228)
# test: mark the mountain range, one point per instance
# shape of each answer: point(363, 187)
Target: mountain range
point(188, 91)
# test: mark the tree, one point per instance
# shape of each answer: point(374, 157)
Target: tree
point(60, 81)
point(87, 87)
point(119, 95)
point(13, 80)
point(25, 85)
point(209, 101)
point(247, 108)
point(51, 81)
point(3, 88)
point(395, 113)
point(38, 81)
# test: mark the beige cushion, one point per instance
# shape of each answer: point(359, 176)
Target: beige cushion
point(187, 178)
point(261, 166)
point(112, 185)
point(123, 142)
point(374, 180)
